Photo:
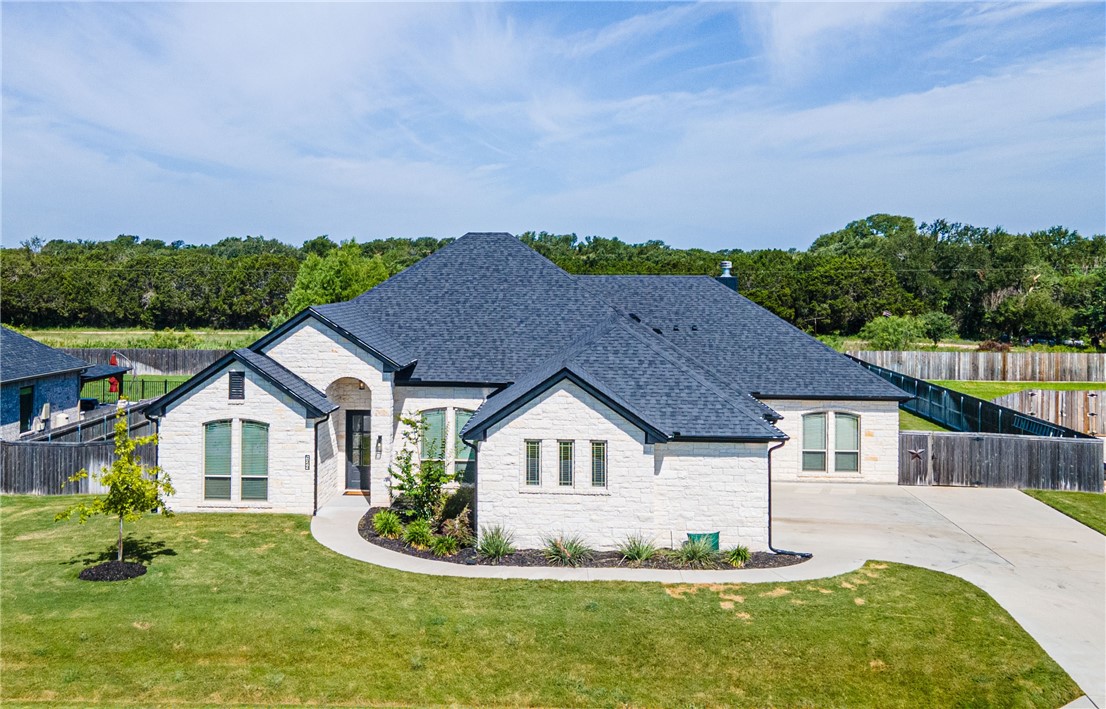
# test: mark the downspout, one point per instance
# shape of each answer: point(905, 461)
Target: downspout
point(774, 550)
point(315, 488)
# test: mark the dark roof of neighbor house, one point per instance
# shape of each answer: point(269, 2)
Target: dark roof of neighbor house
point(103, 371)
point(647, 380)
point(22, 358)
point(740, 340)
point(293, 385)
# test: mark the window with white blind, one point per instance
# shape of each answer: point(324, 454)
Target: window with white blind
point(217, 460)
point(255, 460)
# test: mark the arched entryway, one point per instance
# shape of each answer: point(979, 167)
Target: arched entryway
point(353, 428)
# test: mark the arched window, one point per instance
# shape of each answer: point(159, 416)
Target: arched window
point(814, 442)
point(217, 460)
point(255, 460)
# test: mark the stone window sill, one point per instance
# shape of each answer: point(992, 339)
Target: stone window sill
point(598, 492)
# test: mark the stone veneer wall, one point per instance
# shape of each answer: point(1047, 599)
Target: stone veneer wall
point(879, 440)
point(63, 392)
point(291, 437)
point(663, 491)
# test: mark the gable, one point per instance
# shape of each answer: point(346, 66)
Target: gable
point(210, 399)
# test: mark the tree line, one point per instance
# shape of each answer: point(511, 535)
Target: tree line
point(990, 282)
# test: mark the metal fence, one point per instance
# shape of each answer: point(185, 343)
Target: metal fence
point(41, 468)
point(1000, 460)
point(150, 361)
point(992, 366)
point(960, 412)
point(131, 389)
point(1081, 410)
point(98, 426)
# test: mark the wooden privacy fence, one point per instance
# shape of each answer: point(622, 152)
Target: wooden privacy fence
point(39, 468)
point(148, 361)
point(1000, 460)
point(993, 366)
point(1082, 410)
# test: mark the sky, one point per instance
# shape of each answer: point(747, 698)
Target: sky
point(715, 125)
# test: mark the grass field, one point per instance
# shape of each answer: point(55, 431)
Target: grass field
point(1086, 507)
point(249, 609)
point(910, 422)
point(182, 339)
point(990, 390)
point(135, 388)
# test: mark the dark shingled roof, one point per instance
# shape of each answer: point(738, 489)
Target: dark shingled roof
point(739, 340)
point(646, 379)
point(103, 371)
point(314, 401)
point(23, 358)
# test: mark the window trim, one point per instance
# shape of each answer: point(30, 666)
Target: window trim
point(850, 451)
point(229, 477)
point(532, 463)
point(602, 460)
point(808, 449)
point(242, 477)
point(566, 464)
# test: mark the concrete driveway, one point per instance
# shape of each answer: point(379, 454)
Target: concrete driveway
point(1046, 569)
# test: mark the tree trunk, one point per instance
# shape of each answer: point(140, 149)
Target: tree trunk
point(120, 538)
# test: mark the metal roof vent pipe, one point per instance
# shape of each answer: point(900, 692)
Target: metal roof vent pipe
point(728, 279)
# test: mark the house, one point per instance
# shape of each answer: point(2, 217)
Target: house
point(598, 405)
point(40, 387)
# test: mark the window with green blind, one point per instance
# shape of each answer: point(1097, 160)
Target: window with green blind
point(255, 460)
point(565, 449)
point(433, 434)
point(217, 460)
point(814, 442)
point(464, 454)
point(846, 443)
point(599, 463)
point(533, 462)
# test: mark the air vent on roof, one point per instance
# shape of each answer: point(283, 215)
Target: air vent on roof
point(695, 328)
point(658, 331)
point(675, 328)
point(634, 317)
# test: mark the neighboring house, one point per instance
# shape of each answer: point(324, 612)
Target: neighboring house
point(597, 405)
point(40, 386)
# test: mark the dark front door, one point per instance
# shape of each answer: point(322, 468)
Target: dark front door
point(358, 450)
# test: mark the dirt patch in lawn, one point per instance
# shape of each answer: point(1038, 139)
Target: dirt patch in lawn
point(113, 571)
point(535, 557)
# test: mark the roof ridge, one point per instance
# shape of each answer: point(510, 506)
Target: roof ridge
point(248, 353)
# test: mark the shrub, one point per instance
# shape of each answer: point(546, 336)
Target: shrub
point(936, 325)
point(738, 556)
point(418, 534)
point(444, 546)
point(566, 551)
point(460, 501)
point(698, 553)
point(386, 523)
point(495, 543)
point(890, 332)
point(994, 346)
point(459, 527)
point(419, 482)
point(637, 548)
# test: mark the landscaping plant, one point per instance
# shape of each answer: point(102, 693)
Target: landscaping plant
point(696, 553)
point(738, 556)
point(418, 534)
point(133, 489)
point(419, 482)
point(459, 527)
point(495, 543)
point(566, 550)
point(637, 548)
point(444, 546)
point(387, 524)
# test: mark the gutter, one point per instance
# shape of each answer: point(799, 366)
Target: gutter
point(774, 550)
point(315, 488)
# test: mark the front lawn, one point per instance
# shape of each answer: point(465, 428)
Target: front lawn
point(992, 390)
point(250, 609)
point(1086, 507)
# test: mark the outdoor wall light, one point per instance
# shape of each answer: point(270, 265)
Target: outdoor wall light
point(361, 386)
point(379, 445)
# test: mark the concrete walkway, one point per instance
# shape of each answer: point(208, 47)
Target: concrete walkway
point(1047, 570)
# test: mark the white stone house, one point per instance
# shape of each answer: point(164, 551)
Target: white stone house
point(602, 406)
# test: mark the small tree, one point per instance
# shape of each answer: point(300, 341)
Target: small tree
point(936, 325)
point(419, 481)
point(890, 332)
point(133, 489)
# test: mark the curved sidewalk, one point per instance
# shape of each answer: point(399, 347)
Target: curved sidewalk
point(1047, 570)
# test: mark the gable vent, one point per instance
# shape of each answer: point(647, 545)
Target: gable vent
point(237, 385)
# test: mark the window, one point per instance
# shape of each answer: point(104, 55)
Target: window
point(599, 463)
point(846, 443)
point(814, 442)
point(565, 463)
point(255, 460)
point(237, 385)
point(26, 408)
point(217, 460)
point(533, 462)
point(433, 435)
point(464, 455)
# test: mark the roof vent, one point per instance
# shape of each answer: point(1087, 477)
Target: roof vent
point(726, 266)
point(658, 331)
point(727, 278)
point(634, 317)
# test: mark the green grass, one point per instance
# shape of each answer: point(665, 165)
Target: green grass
point(133, 337)
point(991, 390)
point(1086, 507)
point(911, 422)
point(145, 386)
point(249, 609)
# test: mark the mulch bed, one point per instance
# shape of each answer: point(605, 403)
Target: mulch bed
point(113, 571)
point(535, 557)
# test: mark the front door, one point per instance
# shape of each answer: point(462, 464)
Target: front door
point(358, 450)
